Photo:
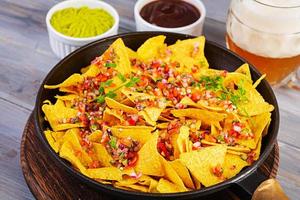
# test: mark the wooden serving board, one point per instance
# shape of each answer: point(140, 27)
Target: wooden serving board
point(47, 181)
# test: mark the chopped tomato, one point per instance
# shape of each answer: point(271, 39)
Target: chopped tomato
point(196, 96)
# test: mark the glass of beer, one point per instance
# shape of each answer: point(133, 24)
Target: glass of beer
point(267, 34)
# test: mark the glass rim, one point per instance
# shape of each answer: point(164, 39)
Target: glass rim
point(274, 6)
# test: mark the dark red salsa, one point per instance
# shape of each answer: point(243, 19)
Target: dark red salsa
point(170, 13)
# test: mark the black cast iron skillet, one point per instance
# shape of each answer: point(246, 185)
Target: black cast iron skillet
point(218, 57)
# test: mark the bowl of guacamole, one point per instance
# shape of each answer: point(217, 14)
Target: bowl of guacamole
point(74, 23)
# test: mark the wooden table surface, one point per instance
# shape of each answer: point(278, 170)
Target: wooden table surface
point(26, 57)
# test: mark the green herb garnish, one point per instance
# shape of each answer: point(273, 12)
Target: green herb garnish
point(113, 142)
point(112, 65)
point(112, 94)
point(121, 77)
point(212, 83)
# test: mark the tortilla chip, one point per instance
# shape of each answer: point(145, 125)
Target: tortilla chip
point(57, 113)
point(147, 118)
point(183, 142)
point(95, 136)
point(165, 186)
point(51, 141)
point(149, 161)
point(200, 163)
point(257, 82)
point(74, 79)
point(244, 69)
point(116, 105)
point(141, 134)
point(102, 155)
point(67, 153)
point(203, 115)
point(258, 125)
point(105, 173)
point(150, 50)
point(196, 182)
point(171, 174)
point(121, 59)
point(232, 148)
point(189, 53)
point(132, 186)
point(233, 164)
point(111, 115)
point(93, 71)
point(72, 136)
point(153, 113)
point(183, 173)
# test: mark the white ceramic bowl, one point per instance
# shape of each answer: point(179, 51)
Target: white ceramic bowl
point(61, 44)
point(192, 29)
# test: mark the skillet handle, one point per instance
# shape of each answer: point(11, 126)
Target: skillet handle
point(245, 188)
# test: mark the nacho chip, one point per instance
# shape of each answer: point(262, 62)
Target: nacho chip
point(121, 58)
point(244, 69)
point(183, 142)
point(55, 146)
point(92, 71)
point(102, 155)
point(150, 50)
point(95, 136)
point(232, 148)
point(74, 79)
point(258, 125)
point(116, 105)
point(105, 173)
point(67, 153)
point(203, 115)
point(165, 186)
point(189, 53)
point(200, 163)
point(132, 186)
point(149, 162)
point(233, 164)
point(183, 173)
point(141, 134)
point(57, 116)
point(171, 174)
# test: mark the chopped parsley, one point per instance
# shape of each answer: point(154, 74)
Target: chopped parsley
point(112, 65)
point(212, 83)
point(112, 94)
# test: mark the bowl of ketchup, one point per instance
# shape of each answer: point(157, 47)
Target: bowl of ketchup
point(181, 16)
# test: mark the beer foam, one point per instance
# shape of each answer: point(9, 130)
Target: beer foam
point(266, 30)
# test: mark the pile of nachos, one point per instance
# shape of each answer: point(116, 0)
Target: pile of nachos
point(157, 119)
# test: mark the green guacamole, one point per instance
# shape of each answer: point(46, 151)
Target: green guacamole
point(82, 22)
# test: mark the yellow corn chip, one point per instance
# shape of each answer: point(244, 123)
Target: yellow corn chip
point(165, 186)
point(141, 134)
point(150, 50)
point(149, 161)
point(105, 173)
point(183, 173)
point(233, 164)
point(200, 163)
point(74, 79)
point(116, 105)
